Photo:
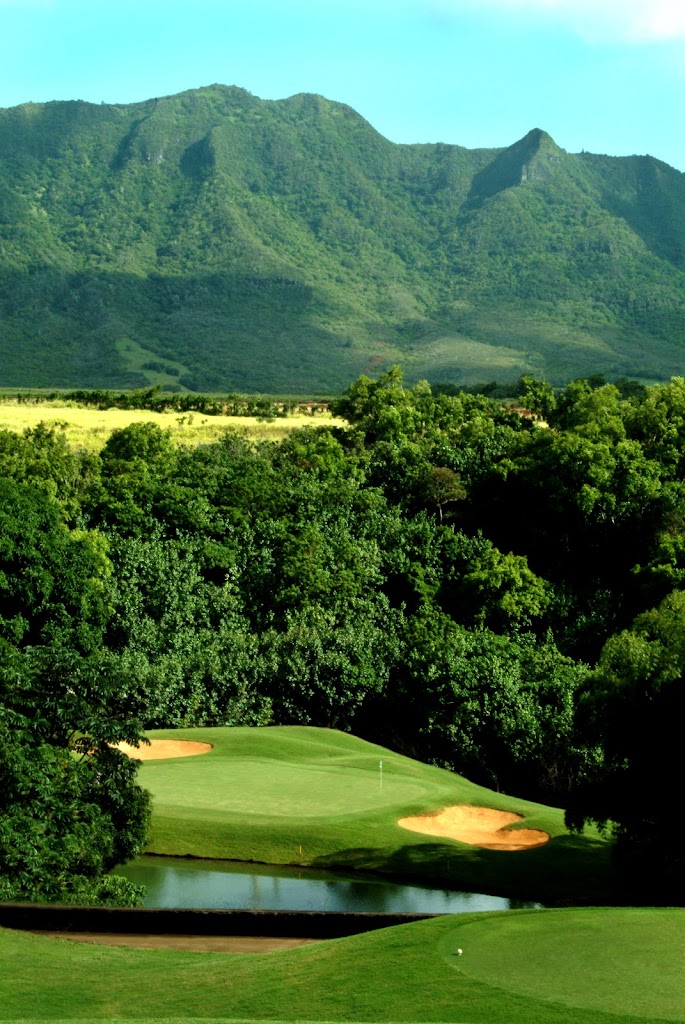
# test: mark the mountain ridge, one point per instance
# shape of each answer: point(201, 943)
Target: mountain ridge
point(277, 245)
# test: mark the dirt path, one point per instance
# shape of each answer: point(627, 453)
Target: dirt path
point(193, 943)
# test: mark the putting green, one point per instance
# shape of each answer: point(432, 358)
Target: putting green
point(276, 788)
point(309, 796)
point(618, 960)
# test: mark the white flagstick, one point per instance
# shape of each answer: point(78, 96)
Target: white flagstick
point(380, 769)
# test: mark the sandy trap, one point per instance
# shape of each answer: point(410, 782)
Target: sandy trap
point(477, 826)
point(160, 749)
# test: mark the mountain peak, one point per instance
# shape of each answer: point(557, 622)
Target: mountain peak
point(536, 145)
point(533, 158)
point(240, 244)
point(538, 136)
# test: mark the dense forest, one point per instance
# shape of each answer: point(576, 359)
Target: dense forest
point(496, 589)
point(216, 241)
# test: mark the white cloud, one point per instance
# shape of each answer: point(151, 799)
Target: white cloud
point(635, 21)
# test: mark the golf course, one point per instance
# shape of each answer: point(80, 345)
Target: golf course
point(577, 966)
point(297, 795)
point(320, 798)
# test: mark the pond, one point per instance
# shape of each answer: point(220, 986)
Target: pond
point(223, 885)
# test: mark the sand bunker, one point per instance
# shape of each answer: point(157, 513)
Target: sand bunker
point(159, 749)
point(477, 826)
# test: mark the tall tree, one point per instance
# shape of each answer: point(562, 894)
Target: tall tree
point(70, 806)
point(633, 707)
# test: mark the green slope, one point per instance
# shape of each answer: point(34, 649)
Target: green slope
point(591, 966)
point(301, 795)
point(287, 245)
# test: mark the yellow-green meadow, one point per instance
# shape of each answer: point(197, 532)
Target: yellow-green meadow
point(88, 428)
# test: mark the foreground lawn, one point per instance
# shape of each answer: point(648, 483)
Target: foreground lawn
point(299, 795)
point(572, 966)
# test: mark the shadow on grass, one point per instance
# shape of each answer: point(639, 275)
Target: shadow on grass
point(570, 870)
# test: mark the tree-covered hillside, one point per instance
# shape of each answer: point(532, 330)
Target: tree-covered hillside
point(457, 581)
point(213, 240)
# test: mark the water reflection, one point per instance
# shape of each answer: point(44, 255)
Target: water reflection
point(219, 885)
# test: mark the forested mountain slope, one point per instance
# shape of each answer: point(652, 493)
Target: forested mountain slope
point(213, 240)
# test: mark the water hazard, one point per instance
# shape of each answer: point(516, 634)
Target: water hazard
point(229, 885)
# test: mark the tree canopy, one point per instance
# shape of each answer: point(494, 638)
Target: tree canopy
point(499, 594)
point(70, 807)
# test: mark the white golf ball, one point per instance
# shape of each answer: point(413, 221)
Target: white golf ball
point(459, 952)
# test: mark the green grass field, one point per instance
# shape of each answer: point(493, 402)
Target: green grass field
point(572, 966)
point(88, 428)
point(263, 794)
point(299, 795)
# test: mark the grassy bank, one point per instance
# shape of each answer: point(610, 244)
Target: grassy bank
point(573, 966)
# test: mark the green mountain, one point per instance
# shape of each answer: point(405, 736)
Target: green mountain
point(213, 240)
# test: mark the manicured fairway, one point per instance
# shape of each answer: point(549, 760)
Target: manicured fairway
point(572, 966)
point(298, 795)
point(630, 960)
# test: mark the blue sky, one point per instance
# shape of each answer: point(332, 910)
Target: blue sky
point(607, 76)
